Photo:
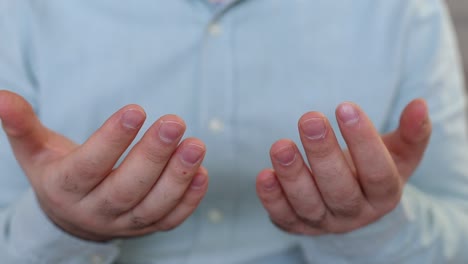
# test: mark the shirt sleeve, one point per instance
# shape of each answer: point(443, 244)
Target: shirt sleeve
point(429, 224)
point(26, 233)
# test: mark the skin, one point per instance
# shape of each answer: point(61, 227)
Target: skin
point(161, 181)
point(156, 187)
point(336, 191)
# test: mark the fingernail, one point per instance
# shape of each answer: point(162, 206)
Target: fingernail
point(424, 130)
point(133, 118)
point(270, 183)
point(198, 181)
point(191, 154)
point(314, 128)
point(348, 114)
point(285, 156)
point(169, 131)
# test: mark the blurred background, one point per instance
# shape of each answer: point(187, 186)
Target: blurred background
point(459, 10)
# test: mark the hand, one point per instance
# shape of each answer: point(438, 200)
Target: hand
point(155, 188)
point(341, 191)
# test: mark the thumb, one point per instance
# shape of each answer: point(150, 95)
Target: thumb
point(408, 143)
point(27, 136)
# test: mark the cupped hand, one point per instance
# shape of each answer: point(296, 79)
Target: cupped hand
point(155, 188)
point(336, 191)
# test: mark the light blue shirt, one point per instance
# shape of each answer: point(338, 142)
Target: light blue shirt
point(240, 77)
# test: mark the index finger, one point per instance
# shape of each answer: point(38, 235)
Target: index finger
point(87, 165)
point(376, 171)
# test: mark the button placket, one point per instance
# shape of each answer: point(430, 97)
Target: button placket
point(216, 110)
point(216, 80)
point(216, 126)
point(215, 216)
point(215, 29)
point(96, 259)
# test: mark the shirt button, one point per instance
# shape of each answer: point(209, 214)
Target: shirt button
point(96, 259)
point(216, 125)
point(215, 29)
point(215, 216)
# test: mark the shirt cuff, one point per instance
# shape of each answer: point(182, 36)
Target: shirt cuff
point(33, 236)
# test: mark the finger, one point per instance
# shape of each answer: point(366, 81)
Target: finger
point(27, 136)
point(189, 202)
point(187, 205)
point(408, 143)
point(172, 185)
point(133, 179)
point(339, 188)
point(174, 181)
point(375, 169)
point(202, 170)
point(90, 163)
point(296, 181)
point(278, 207)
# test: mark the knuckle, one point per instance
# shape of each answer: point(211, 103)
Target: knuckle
point(347, 210)
point(122, 199)
point(335, 199)
point(70, 176)
point(300, 194)
point(155, 156)
point(321, 151)
point(313, 217)
point(394, 190)
point(138, 222)
point(389, 205)
point(191, 202)
point(181, 176)
point(85, 166)
point(305, 200)
point(52, 199)
point(115, 140)
point(291, 174)
point(347, 205)
point(271, 198)
point(68, 185)
point(92, 223)
point(287, 225)
point(167, 225)
point(191, 205)
point(109, 208)
point(64, 180)
point(378, 178)
point(171, 197)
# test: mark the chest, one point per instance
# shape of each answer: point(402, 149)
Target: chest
point(240, 82)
